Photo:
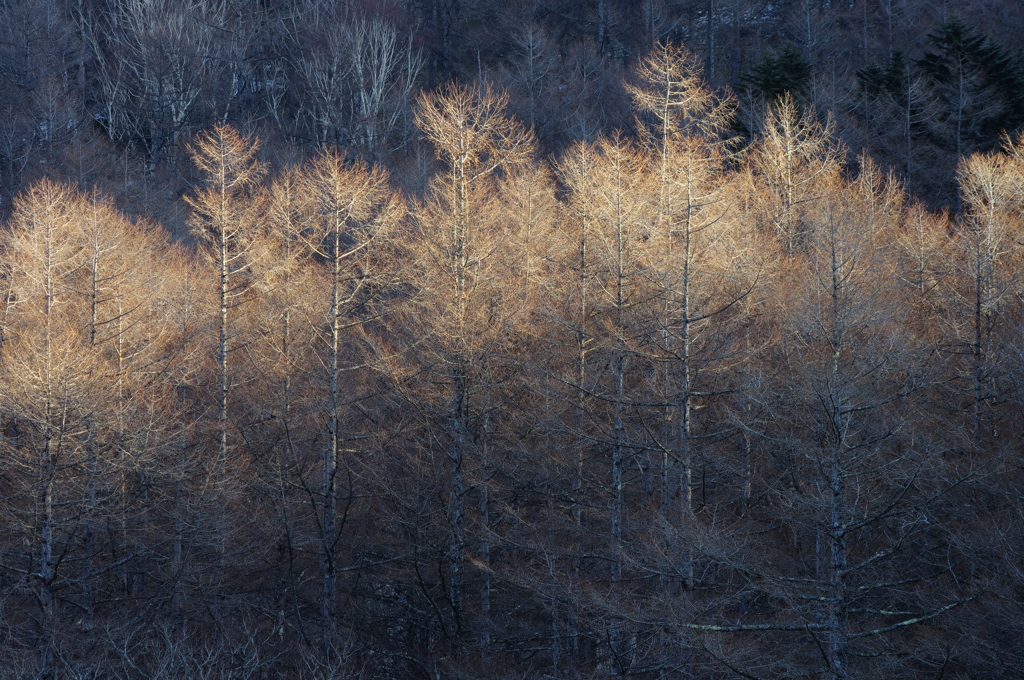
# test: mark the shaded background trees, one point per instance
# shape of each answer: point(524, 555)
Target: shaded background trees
point(144, 73)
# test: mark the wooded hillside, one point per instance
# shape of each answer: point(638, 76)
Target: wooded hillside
point(465, 341)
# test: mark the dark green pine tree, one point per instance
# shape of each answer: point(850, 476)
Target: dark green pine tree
point(1013, 79)
point(880, 79)
point(979, 86)
point(897, 109)
point(776, 74)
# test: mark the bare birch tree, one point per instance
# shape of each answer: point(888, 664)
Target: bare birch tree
point(360, 74)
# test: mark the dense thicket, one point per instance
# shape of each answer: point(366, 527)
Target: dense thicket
point(464, 381)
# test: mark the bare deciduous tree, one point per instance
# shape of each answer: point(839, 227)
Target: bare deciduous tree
point(464, 254)
point(355, 209)
point(796, 159)
point(360, 76)
point(153, 64)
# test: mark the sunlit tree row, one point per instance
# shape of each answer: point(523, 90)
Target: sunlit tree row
point(666, 405)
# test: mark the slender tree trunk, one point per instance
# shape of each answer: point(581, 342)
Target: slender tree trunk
point(46, 571)
point(839, 625)
point(460, 385)
point(579, 444)
point(581, 375)
point(220, 530)
point(47, 479)
point(556, 642)
point(839, 628)
point(330, 490)
point(619, 365)
point(683, 451)
point(485, 547)
point(456, 506)
point(977, 350)
point(222, 350)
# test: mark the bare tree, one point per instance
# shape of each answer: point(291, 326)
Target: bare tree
point(360, 77)
point(464, 256)
point(226, 220)
point(152, 58)
point(796, 158)
point(852, 481)
point(85, 359)
point(355, 209)
point(987, 258)
point(685, 134)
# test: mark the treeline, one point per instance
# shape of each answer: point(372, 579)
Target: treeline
point(664, 406)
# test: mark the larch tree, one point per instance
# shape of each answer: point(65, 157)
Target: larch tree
point(610, 189)
point(464, 263)
point(528, 213)
point(48, 395)
point(851, 481)
point(227, 222)
point(354, 209)
point(85, 361)
point(794, 162)
point(282, 400)
point(285, 273)
point(686, 123)
point(132, 275)
point(989, 251)
point(567, 300)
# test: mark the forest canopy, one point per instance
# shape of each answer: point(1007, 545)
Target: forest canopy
point(451, 340)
